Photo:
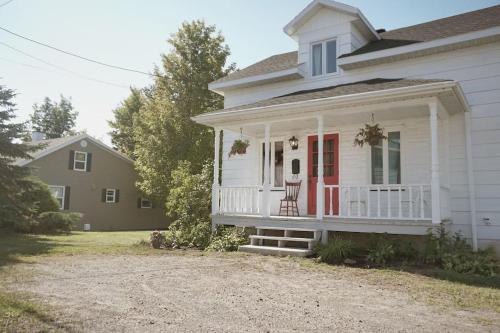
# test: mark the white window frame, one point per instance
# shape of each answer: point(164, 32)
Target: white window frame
point(75, 161)
point(109, 195)
point(324, 58)
point(145, 207)
point(271, 161)
point(61, 206)
point(385, 158)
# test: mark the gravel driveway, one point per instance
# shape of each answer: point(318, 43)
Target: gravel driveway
point(226, 294)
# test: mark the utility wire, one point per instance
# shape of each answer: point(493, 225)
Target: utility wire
point(78, 56)
point(6, 3)
point(64, 69)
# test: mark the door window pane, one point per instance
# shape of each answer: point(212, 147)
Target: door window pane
point(377, 163)
point(278, 164)
point(317, 59)
point(331, 56)
point(394, 143)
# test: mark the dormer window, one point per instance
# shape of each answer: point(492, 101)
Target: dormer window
point(324, 57)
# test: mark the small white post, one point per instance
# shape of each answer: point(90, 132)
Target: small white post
point(470, 179)
point(320, 187)
point(436, 206)
point(215, 185)
point(266, 187)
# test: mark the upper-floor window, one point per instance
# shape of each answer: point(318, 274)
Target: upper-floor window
point(80, 161)
point(110, 195)
point(324, 57)
point(386, 160)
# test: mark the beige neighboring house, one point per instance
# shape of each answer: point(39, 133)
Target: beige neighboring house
point(87, 176)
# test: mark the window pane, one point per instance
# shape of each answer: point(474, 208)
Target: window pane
point(80, 156)
point(79, 165)
point(394, 157)
point(377, 164)
point(317, 59)
point(278, 164)
point(331, 56)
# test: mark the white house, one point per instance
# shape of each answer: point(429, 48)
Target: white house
point(435, 90)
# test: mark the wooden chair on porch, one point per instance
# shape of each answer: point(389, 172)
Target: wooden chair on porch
point(289, 202)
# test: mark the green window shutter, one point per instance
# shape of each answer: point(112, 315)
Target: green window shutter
point(71, 159)
point(66, 197)
point(89, 161)
point(103, 195)
point(117, 195)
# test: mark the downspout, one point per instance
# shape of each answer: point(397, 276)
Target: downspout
point(470, 179)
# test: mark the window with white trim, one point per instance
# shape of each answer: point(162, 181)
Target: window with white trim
point(276, 163)
point(80, 161)
point(58, 193)
point(110, 195)
point(324, 57)
point(146, 203)
point(386, 160)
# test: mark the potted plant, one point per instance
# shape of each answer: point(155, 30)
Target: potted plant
point(370, 134)
point(239, 147)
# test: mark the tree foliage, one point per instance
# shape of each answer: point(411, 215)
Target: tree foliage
point(163, 130)
point(122, 135)
point(13, 179)
point(55, 119)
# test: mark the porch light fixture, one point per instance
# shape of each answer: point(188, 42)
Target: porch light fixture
point(294, 142)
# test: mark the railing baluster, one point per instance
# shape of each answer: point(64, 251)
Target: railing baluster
point(359, 200)
point(389, 213)
point(331, 201)
point(421, 202)
point(348, 201)
point(410, 199)
point(400, 212)
point(378, 201)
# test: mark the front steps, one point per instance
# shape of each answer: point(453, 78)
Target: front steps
point(278, 241)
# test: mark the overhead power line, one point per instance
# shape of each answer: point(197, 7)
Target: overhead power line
point(62, 68)
point(5, 3)
point(76, 55)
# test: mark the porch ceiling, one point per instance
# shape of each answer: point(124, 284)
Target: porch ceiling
point(387, 99)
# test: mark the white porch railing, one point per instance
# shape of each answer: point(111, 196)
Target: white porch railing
point(379, 201)
point(239, 199)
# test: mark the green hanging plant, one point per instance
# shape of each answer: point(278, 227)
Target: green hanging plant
point(239, 146)
point(370, 134)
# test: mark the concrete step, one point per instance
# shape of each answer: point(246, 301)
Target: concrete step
point(279, 238)
point(275, 251)
point(286, 228)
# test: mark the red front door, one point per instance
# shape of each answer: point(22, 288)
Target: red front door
point(330, 172)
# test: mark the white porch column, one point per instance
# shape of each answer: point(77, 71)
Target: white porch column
point(215, 185)
point(320, 186)
point(470, 179)
point(435, 184)
point(266, 187)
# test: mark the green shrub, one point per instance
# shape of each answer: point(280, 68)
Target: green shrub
point(227, 239)
point(157, 239)
point(56, 222)
point(406, 251)
point(189, 206)
point(382, 253)
point(335, 251)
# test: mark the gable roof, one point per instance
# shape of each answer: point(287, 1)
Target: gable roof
point(52, 145)
point(446, 27)
point(359, 87)
point(481, 19)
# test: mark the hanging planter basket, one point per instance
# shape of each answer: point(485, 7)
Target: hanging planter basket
point(370, 135)
point(239, 146)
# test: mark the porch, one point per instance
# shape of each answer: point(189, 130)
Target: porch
point(342, 188)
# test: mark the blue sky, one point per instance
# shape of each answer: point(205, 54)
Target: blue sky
point(133, 33)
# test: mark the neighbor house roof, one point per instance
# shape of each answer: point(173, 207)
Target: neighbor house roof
point(446, 27)
point(338, 90)
point(52, 145)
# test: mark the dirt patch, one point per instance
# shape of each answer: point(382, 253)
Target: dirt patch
point(228, 294)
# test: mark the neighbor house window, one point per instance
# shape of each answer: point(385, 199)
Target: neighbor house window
point(324, 57)
point(110, 195)
point(276, 163)
point(146, 203)
point(386, 160)
point(80, 162)
point(58, 193)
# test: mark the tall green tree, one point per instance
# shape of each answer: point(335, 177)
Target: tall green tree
point(13, 179)
point(164, 132)
point(122, 135)
point(55, 119)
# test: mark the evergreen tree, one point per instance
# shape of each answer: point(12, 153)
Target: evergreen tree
point(55, 119)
